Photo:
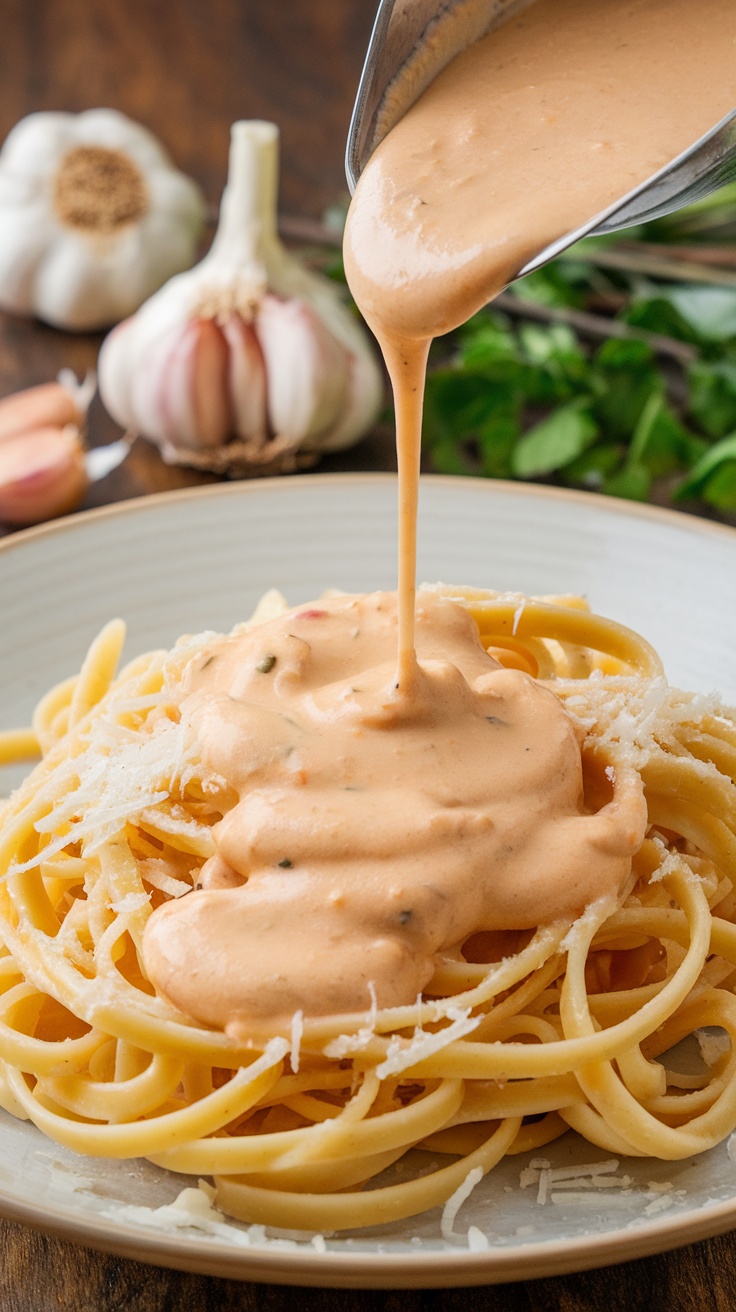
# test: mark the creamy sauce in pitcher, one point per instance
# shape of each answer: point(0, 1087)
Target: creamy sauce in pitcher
point(382, 818)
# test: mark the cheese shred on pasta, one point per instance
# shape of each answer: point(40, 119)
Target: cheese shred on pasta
point(517, 1038)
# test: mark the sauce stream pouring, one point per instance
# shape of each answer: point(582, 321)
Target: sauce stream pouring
point(555, 122)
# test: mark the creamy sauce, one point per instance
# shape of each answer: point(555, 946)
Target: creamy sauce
point(373, 831)
point(524, 137)
point(384, 818)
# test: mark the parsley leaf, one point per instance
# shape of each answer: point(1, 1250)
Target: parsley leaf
point(556, 441)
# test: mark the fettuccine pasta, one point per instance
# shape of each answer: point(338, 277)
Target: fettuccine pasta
point(518, 1034)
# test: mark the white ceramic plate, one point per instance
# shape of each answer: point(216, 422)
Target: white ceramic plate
point(193, 560)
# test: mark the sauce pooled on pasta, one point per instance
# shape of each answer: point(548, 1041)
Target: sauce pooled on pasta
point(372, 831)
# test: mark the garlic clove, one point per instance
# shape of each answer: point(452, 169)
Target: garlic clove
point(42, 475)
point(49, 405)
point(210, 383)
point(161, 396)
point(179, 393)
point(118, 393)
point(67, 283)
point(247, 379)
point(19, 259)
point(306, 368)
point(159, 400)
point(32, 146)
point(365, 395)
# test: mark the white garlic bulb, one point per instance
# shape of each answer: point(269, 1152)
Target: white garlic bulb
point(249, 362)
point(93, 218)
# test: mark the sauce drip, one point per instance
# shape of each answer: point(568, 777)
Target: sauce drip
point(372, 832)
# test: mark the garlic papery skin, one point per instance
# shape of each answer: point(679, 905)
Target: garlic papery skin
point(300, 377)
point(42, 475)
point(93, 218)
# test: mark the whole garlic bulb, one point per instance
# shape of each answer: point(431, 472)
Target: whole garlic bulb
point(249, 362)
point(93, 218)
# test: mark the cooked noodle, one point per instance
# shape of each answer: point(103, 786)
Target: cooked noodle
point(518, 1036)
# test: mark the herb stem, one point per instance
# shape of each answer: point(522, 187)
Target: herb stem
point(643, 259)
point(723, 257)
point(595, 325)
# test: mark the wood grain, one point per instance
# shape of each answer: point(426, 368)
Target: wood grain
point(42, 1274)
point(187, 69)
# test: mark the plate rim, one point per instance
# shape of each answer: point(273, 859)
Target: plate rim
point(616, 506)
point(446, 1268)
point(431, 1269)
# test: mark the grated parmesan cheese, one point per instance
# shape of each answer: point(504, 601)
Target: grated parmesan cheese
point(297, 1030)
point(477, 1241)
point(347, 1044)
point(192, 1209)
point(572, 1185)
point(195, 1209)
point(273, 1052)
point(663, 1202)
point(616, 1200)
point(712, 1046)
point(636, 716)
point(175, 821)
point(594, 913)
point(102, 789)
point(402, 1055)
point(591, 1169)
point(595, 1182)
point(455, 1202)
point(156, 873)
point(131, 902)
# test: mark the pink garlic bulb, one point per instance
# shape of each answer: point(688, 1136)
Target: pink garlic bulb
point(249, 361)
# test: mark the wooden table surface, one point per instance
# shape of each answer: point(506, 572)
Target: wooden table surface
point(187, 70)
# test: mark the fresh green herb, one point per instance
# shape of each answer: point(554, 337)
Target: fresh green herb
point(714, 476)
point(556, 441)
point(266, 664)
point(713, 395)
point(649, 412)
